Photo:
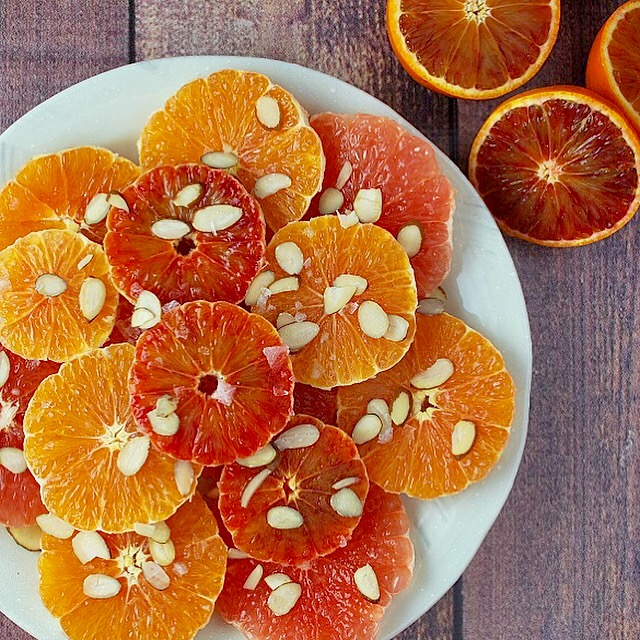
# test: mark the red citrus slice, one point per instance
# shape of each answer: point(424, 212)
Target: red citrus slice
point(303, 503)
point(323, 599)
point(20, 501)
point(122, 330)
point(367, 152)
point(319, 403)
point(211, 383)
point(188, 232)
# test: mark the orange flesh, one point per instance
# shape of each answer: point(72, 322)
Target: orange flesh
point(624, 53)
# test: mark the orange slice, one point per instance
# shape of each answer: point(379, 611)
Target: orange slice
point(56, 296)
point(241, 121)
point(614, 61)
point(557, 166)
point(473, 49)
point(81, 443)
point(344, 299)
point(55, 192)
point(303, 503)
point(439, 419)
point(127, 594)
point(319, 403)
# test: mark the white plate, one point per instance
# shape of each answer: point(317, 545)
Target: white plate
point(110, 110)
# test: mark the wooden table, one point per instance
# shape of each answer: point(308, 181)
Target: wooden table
point(563, 560)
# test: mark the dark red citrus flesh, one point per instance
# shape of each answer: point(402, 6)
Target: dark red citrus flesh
point(208, 489)
point(319, 403)
point(122, 330)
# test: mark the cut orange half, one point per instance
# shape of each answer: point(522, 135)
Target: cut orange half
point(474, 49)
point(557, 166)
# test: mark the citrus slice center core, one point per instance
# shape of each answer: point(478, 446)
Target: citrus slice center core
point(476, 11)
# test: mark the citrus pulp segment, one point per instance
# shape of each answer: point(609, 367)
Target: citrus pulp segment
point(325, 600)
point(473, 49)
point(211, 383)
point(319, 403)
point(207, 244)
point(294, 508)
point(241, 121)
point(65, 190)
point(349, 310)
point(133, 596)
point(95, 469)
point(444, 412)
point(56, 296)
point(367, 152)
point(557, 166)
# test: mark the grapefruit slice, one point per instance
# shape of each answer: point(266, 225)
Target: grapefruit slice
point(374, 153)
point(136, 588)
point(319, 403)
point(95, 470)
point(302, 504)
point(339, 596)
point(211, 383)
point(440, 419)
point(557, 166)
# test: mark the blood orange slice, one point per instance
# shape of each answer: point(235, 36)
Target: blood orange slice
point(439, 419)
point(336, 597)
point(187, 233)
point(65, 190)
point(303, 503)
point(370, 154)
point(241, 121)
point(557, 166)
point(319, 403)
point(20, 501)
point(123, 331)
point(136, 587)
point(344, 299)
point(211, 383)
point(96, 471)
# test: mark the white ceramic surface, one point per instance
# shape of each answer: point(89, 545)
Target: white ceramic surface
point(483, 288)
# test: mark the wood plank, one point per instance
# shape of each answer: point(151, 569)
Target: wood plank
point(561, 562)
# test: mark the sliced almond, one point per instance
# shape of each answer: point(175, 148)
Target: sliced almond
point(12, 459)
point(284, 518)
point(259, 459)
point(400, 408)
point(116, 199)
point(437, 374)
point(298, 335)
point(368, 205)
point(170, 229)
point(284, 598)
point(93, 295)
point(55, 527)
point(348, 219)
point(161, 532)
point(143, 319)
point(236, 554)
point(85, 261)
point(216, 217)
point(30, 538)
point(100, 586)
point(97, 209)
point(462, 437)
point(438, 294)
point(260, 282)
point(252, 486)
point(373, 319)
point(380, 408)
point(330, 201)
point(164, 425)
point(335, 298)
point(276, 579)
point(144, 529)
point(156, 576)
point(268, 112)
point(184, 476)
point(298, 437)
point(344, 483)
point(133, 455)
point(367, 582)
point(345, 173)
point(431, 307)
point(284, 319)
point(346, 503)
point(188, 195)
point(271, 183)
point(220, 159)
point(366, 429)
point(410, 237)
point(50, 285)
point(283, 285)
point(88, 545)
point(166, 405)
point(290, 258)
point(349, 280)
point(148, 311)
point(5, 368)
point(398, 328)
point(149, 300)
point(253, 579)
point(162, 553)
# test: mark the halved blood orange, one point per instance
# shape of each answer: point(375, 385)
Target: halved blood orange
point(557, 166)
point(302, 503)
point(211, 383)
point(241, 121)
point(473, 49)
point(439, 419)
point(344, 299)
point(56, 296)
point(20, 501)
point(367, 152)
point(65, 190)
point(339, 596)
point(319, 403)
point(187, 233)
point(126, 591)
point(614, 62)
point(95, 469)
